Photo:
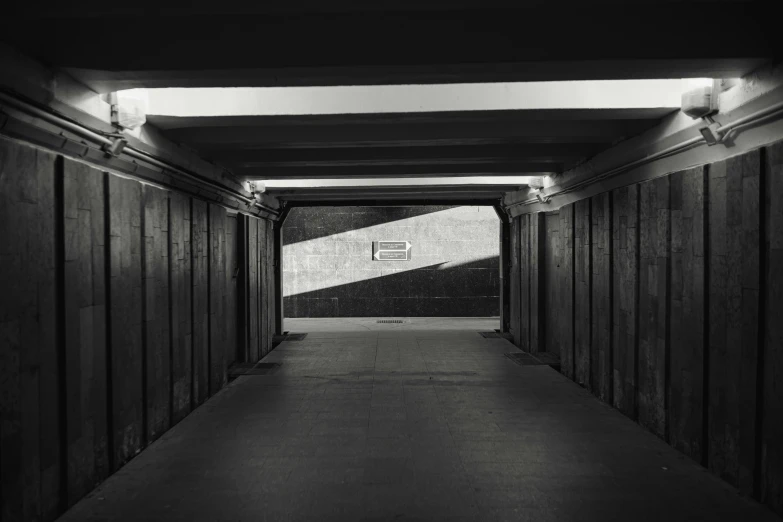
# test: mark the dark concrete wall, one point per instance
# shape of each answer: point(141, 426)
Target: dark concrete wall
point(665, 299)
point(453, 271)
point(119, 313)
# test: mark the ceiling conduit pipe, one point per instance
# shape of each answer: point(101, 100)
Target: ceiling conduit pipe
point(108, 142)
point(725, 130)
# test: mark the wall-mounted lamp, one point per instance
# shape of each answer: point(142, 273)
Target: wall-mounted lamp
point(256, 189)
point(700, 97)
point(700, 100)
point(129, 108)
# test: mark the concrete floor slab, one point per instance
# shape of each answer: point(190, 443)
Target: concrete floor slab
point(421, 421)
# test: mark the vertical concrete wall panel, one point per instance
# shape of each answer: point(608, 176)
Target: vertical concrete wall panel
point(231, 290)
point(200, 293)
point(734, 210)
point(254, 339)
point(603, 364)
point(84, 327)
point(243, 289)
point(553, 249)
point(29, 357)
point(537, 264)
point(558, 280)
point(524, 282)
point(263, 288)
point(181, 304)
point(155, 274)
point(654, 221)
point(625, 284)
point(46, 267)
point(271, 293)
point(771, 451)
point(218, 311)
point(126, 351)
point(686, 397)
point(582, 292)
point(514, 277)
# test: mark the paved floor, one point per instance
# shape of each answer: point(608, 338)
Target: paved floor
point(420, 421)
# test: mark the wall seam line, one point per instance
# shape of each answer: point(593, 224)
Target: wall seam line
point(144, 357)
point(761, 340)
point(706, 311)
point(107, 311)
point(60, 347)
point(637, 305)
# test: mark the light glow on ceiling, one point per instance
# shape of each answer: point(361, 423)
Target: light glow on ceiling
point(284, 184)
point(367, 99)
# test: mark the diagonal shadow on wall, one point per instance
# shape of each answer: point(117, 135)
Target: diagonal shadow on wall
point(304, 224)
point(466, 290)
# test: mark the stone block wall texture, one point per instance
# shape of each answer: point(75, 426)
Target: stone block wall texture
point(328, 270)
point(665, 299)
point(119, 313)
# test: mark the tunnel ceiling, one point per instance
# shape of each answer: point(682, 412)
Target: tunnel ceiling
point(111, 47)
point(489, 143)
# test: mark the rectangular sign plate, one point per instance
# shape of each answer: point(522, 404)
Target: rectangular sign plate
point(393, 245)
point(391, 251)
point(386, 255)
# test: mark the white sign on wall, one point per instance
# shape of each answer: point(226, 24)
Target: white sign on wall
point(391, 251)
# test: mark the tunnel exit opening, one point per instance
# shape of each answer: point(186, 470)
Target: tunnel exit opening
point(391, 261)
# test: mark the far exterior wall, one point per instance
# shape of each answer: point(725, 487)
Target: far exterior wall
point(329, 270)
point(665, 300)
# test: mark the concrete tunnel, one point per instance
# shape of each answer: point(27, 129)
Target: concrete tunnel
point(400, 261)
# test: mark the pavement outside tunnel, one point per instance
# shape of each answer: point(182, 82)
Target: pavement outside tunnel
point(424, 420)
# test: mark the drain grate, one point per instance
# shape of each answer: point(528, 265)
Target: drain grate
point(390, 321)
point(239, 369)
point(524, 359)
point(505, 335)
point(262, 368)
point(497, 335)
point(295, 337)
point(539, 359)
point(251, 369)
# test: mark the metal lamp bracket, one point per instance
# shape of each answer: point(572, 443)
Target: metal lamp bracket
point(115, 148)
point(711, 133)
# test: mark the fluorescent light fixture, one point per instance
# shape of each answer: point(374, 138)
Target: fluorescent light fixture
point(488, 181)
point(368, 99)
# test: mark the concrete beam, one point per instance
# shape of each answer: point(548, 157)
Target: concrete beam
point(395, 171)
point(412, 144)
point(481, 127)
point(544, 152)
point(104, 80)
